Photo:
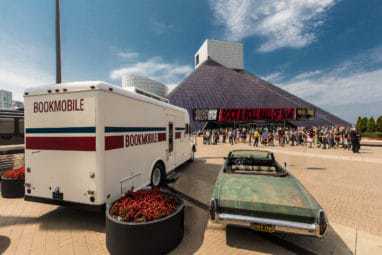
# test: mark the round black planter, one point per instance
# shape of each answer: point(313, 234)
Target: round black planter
point(11, 188)
point(154, 237)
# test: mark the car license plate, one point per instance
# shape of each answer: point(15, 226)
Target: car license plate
point(263, 228)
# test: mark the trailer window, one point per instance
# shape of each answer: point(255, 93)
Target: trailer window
point(170, 137)
point(21, 126)
point(7, 126)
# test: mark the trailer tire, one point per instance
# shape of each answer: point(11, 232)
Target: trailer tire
point(158, 175)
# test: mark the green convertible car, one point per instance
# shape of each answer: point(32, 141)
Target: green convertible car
point(254, 191)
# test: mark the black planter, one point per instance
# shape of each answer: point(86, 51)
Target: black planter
point(154, 237)
point(11, 188)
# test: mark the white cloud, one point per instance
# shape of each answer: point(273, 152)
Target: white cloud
point(281, 23)
point(334, 89)
point(349, 89)
point(21, 66)
point(160, 27)
point(275, 77)
point(156, 69)
point(128, 55)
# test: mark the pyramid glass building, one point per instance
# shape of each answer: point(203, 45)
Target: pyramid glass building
point(220, 92)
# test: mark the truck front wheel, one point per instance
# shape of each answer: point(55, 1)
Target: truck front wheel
point(157, 175)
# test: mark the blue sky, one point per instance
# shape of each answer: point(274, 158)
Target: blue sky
point(326, 51)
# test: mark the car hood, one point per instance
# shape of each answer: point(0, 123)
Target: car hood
point(265, 196)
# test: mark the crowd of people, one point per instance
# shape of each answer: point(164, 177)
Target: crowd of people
point(318, 137)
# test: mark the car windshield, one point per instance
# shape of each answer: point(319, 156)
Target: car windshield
point(260, 155)
point(253, 162)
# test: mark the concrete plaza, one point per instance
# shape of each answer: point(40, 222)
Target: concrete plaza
point(348, 186)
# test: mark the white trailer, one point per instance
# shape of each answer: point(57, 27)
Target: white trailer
point(88, 142)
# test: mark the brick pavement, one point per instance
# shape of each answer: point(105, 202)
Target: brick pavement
point(346, 185)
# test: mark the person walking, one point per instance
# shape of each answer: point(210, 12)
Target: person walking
point(355, 140)
point(224, 135)
point(231, 135)
point(309, 138)
point(257, 138)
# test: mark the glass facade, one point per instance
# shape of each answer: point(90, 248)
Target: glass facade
point(5, 99)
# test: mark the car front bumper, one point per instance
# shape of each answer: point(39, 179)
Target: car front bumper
point(281, 226)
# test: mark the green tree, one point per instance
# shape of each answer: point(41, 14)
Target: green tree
point(358, 124)
point(379, 124)
point(363, 124)
point(371, 125)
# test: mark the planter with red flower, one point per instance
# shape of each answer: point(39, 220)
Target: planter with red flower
point(149, 221)
point(12, 183)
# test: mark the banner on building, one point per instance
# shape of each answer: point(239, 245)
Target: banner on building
point(270, 114)
point(205, 114)
point(305, 114)
point(253, 114)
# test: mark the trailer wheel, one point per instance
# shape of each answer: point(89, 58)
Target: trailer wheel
point(157, 175)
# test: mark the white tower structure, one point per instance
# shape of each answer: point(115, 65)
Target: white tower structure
point(143, 83)
point(228, 54)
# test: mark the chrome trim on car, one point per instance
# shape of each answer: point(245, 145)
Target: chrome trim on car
point(280, 225)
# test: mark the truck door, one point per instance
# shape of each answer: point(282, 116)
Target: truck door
point(171, 144)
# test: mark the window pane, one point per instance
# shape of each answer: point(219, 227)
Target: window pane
point(21, 126)
point(7, 126)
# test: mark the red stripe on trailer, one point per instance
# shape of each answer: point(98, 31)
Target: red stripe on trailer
point(73, 143)
point(178, 135)
point(161, 137)
point(113, 142)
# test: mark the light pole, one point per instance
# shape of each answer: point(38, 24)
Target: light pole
point(58, 43)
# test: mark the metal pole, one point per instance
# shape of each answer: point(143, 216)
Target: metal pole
point(58, 43)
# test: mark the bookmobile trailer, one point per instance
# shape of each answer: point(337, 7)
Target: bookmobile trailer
point(86, 143)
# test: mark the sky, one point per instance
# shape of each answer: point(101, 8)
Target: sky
point(328, 52)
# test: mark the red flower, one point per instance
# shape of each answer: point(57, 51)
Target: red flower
point(143, 205)
point(15, 174)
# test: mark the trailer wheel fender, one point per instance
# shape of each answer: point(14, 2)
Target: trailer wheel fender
point(158, 171)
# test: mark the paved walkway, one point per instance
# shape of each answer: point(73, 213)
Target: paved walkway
point(339, 240)
point(347, 186)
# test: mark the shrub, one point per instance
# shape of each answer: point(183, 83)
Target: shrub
point(143, 205)
point(14, 174)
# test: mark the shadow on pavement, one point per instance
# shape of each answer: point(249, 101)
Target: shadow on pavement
point(61, 218)
point(248, 239)
point(4, 243)
point(195, 223)
point(196, 180)
point(332, 243)
point(69, 218)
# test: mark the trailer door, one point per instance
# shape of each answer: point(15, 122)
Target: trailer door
point(171, 144)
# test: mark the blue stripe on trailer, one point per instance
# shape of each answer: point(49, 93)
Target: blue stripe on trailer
point(60, 130)
point(133, 129)
point(180, 128)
